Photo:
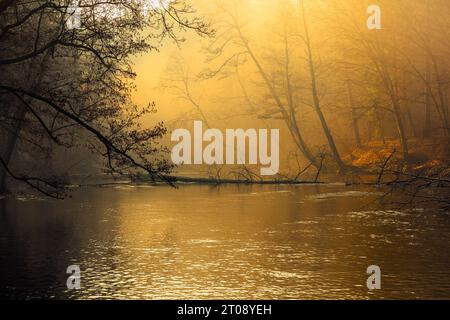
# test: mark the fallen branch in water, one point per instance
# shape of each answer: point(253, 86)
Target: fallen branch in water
point(245, 175)
point(408, 186)
point(383, 167)
point(200, 180)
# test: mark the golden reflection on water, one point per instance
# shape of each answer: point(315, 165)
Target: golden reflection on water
point(247, 242)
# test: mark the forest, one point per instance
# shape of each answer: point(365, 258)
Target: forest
point(224, 149)
point(353, 104)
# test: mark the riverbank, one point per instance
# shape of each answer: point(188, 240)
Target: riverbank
point(425, 155)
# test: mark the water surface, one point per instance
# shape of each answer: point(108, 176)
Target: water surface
point(229, 242)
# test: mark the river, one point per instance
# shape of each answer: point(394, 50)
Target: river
point(230, 242)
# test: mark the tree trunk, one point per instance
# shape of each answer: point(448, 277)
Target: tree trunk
point(354, 116)
point(291, 123)
point(392, 92)
point(427, 126)
point(10, 144)
point(315, 95)
point(400, 127)
point(290, 99)
point(13, 134)
point(440, 102)
point(379, 120)
point(428, 93)
point(290, 120)
point(411, 123)
point(446, 114)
